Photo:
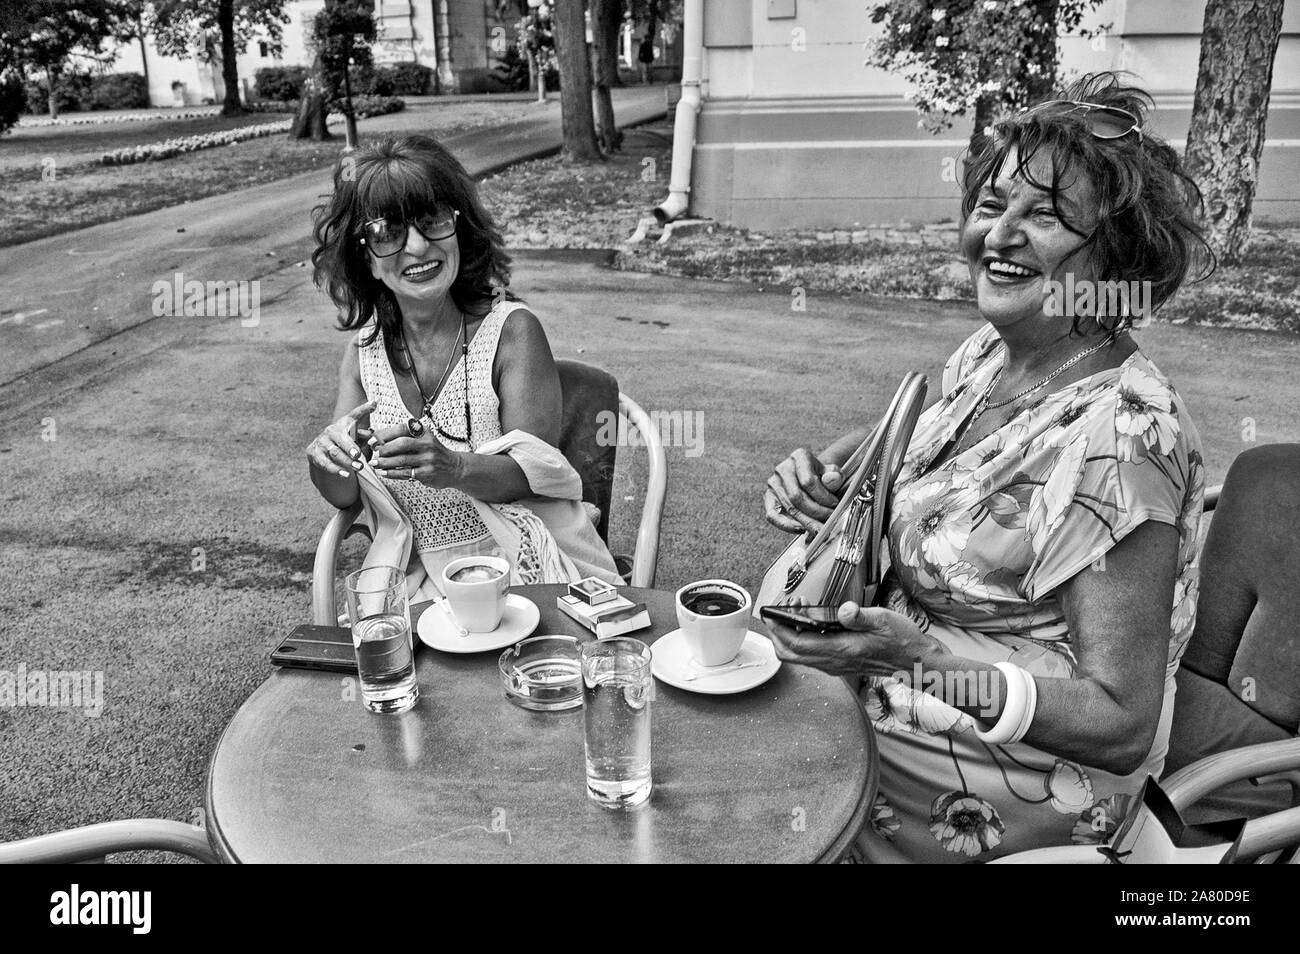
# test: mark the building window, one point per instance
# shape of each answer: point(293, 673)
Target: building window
point(262, 49)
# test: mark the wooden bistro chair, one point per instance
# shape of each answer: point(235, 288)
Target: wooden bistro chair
point(591, 399)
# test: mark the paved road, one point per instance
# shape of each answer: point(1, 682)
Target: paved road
point(62, 294)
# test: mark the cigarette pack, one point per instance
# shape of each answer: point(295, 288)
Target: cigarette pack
point(613, 618)
point(593, 591)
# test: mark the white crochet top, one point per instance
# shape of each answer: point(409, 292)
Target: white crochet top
point(442, 518)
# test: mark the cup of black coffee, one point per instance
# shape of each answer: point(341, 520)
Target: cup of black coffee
point(714, 618)
point(476, 588)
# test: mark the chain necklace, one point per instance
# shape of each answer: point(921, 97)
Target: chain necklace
point(413, 426)
point(984, 404)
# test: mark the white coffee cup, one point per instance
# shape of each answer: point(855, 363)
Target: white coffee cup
point(477, 604)
point(713, 638)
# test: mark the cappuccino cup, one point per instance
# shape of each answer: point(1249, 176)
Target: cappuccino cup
point(714, 619)
point(476, 589)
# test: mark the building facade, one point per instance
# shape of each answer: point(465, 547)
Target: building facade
point(795, 131)
point(460, 40)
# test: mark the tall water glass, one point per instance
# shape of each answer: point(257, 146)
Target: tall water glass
point(381, 635)
point(617, 689)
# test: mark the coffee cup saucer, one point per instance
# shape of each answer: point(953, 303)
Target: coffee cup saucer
point(754, 665)
point(437, 629)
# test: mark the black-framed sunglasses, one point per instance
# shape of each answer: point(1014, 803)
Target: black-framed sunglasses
point(386, 238)
point(1104, 122)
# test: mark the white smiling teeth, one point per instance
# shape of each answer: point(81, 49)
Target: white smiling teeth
point(1006, 268)
point(415, 270)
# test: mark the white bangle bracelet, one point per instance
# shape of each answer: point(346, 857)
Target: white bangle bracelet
point(1031, 706)
point(1013, 706)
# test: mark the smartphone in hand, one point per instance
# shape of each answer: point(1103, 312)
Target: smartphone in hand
point(820, 619)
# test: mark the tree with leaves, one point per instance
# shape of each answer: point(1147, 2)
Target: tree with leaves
point(135, 19)
point(187, 27)
point(341, 37)
point(46, 36)
point(576, 120)
point(975, 57)
point(1225, 141)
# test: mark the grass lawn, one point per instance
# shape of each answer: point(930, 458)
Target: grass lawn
point(547, 204)
point(84, 193)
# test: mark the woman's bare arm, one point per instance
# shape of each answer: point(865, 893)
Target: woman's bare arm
point(528, 386)
point(1118, 613)
point(341, 491)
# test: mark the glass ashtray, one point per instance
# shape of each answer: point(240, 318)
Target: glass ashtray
point(543, 673)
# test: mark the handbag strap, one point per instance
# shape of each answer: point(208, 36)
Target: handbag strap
point(887, 443)
point(910, 401)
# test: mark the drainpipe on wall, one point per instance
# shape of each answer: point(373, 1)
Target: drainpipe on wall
point(688, 108)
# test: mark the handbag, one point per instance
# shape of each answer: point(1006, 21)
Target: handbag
point(842, 560)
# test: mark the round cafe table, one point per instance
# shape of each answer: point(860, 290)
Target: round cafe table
point(784, 772)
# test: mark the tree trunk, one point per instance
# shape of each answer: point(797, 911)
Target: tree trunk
point(52, 81)
point(1226, 138)
point(230, 105)
point(613, 30)
point(605, 67)
point(985, 113)
point(575, 83)
point(309, 123)
point(442, 48)
point(652, 33)
point(144, 55)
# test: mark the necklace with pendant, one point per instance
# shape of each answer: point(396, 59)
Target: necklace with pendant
point(414, 426)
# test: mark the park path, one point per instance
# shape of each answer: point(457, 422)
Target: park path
point(59, 295)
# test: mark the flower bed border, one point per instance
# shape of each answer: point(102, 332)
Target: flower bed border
point(204, 112)
point(150, 152)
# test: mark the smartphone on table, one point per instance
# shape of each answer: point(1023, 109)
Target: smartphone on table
point(819, 619)
point(327, 648)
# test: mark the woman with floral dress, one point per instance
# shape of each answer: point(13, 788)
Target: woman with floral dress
point(1043, 530)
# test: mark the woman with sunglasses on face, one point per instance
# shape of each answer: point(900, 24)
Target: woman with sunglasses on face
point(1043, 531)
point(449, 386)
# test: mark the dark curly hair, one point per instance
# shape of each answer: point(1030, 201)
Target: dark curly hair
point(1148, 210)
point(401, 178)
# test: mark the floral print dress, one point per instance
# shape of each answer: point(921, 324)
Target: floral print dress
point(978, 546)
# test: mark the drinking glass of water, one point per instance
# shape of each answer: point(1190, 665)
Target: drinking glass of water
point(617, 689)
point(381, 635)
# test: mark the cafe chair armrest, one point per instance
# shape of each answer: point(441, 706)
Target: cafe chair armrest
point(323, 610)
point(645, 557)
point(1055, 855)
point(94, 842)
point(1190, 784)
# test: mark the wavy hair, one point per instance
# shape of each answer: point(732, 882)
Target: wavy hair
point(1149, 212)
point(401, 178)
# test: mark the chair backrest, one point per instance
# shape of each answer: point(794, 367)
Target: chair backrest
point(1239, 678)
point(590, 397)
point(1248, 612)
